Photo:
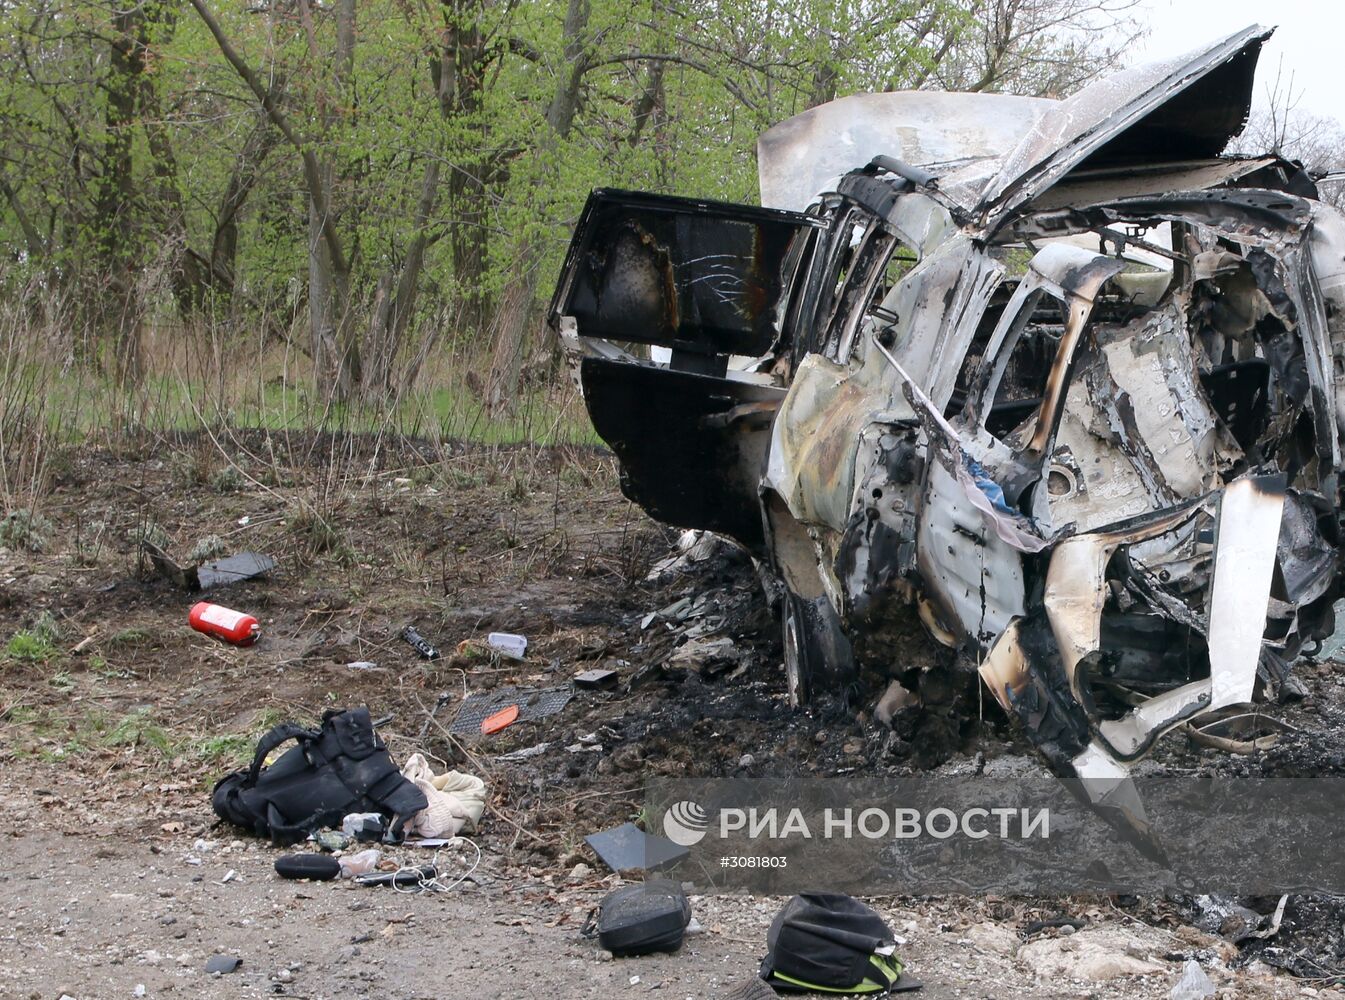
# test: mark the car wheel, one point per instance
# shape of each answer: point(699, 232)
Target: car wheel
point(795, 645)
point(815, 647)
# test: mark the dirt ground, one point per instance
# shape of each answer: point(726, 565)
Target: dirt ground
point(116, 719)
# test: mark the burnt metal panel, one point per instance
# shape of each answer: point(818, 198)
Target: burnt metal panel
point(1183, 108)
point(1197, 122)
point(698, 276)
point(1141, 180)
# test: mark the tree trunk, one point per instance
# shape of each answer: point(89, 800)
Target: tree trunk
point(327, 302)
point(186, 276)
point(459, 78)
point(246, 171)
point(651, 100)
point(118, 313)
point(514, 317)
point(394, 307)
point(34, 244)
point(335, 351)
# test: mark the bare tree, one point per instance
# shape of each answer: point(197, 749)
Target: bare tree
point(1283, 128)
point(1044, 48)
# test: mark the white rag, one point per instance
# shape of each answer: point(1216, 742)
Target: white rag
point(456, 800)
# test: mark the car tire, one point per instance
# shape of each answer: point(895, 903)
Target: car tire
point(816, 651)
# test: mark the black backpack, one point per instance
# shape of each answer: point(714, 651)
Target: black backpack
point(825, 942)
point(340, 769)
point(640, 919)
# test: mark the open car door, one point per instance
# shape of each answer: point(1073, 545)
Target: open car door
point(703, 281)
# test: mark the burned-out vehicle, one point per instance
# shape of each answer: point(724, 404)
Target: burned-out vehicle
point(1058, 374)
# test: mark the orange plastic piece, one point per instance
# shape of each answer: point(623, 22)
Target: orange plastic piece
point(496, 722)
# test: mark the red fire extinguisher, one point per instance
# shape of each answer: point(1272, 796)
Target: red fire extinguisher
point(222, 623)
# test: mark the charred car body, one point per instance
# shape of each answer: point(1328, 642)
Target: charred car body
point(1056, 373)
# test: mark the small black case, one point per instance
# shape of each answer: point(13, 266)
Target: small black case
point(315, 866)
point(639, 919)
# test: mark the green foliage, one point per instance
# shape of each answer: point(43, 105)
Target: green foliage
point(226, 479)
point(148, 531)
point(130, 637)
point(454, 143)
point(231, 749)
point(209, 547)
point(47, 628)
point(24, 530)
point(36, 644)
point(138, 729)
point(29, 646)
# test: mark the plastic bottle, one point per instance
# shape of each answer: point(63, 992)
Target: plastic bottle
point(222, 623)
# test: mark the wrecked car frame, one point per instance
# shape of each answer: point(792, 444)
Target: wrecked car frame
point(1058, 374)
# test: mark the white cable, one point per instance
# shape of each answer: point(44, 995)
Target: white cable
point(436, 883)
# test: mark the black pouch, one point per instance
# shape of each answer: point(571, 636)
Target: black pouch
point(341, 768)
point(639, 919)
point(319, 867)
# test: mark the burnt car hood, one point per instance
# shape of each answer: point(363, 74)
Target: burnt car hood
point(994, 154)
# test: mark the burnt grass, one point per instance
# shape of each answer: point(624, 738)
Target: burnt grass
point(371, 536)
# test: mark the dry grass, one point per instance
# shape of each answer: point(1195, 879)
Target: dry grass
point(203, 385)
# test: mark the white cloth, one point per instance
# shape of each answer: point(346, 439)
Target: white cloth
point(456, 800)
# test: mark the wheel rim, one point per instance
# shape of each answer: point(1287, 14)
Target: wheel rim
point(793, 653)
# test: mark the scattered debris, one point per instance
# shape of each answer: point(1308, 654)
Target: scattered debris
point(420, 644)
point(320, 867)
point(216, 573)
point(1234, 922)
point(403, 878)
point(628, 848)
point(1193, 985)
point(1237, 731)
point(588, 743)
point(502, 719)
point(223, 965)
point(360, 863)
point(1066, 925)
point(526, 753)
point(364, 827)
point(532, 705)
point(829, 942)
point(597, 680)
point(331, 840)
point(507, 644)
point(640, 919)
point(341, 768)
point(893, 700)
point(694, 547)
point(709, 657)
point(456, 800)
